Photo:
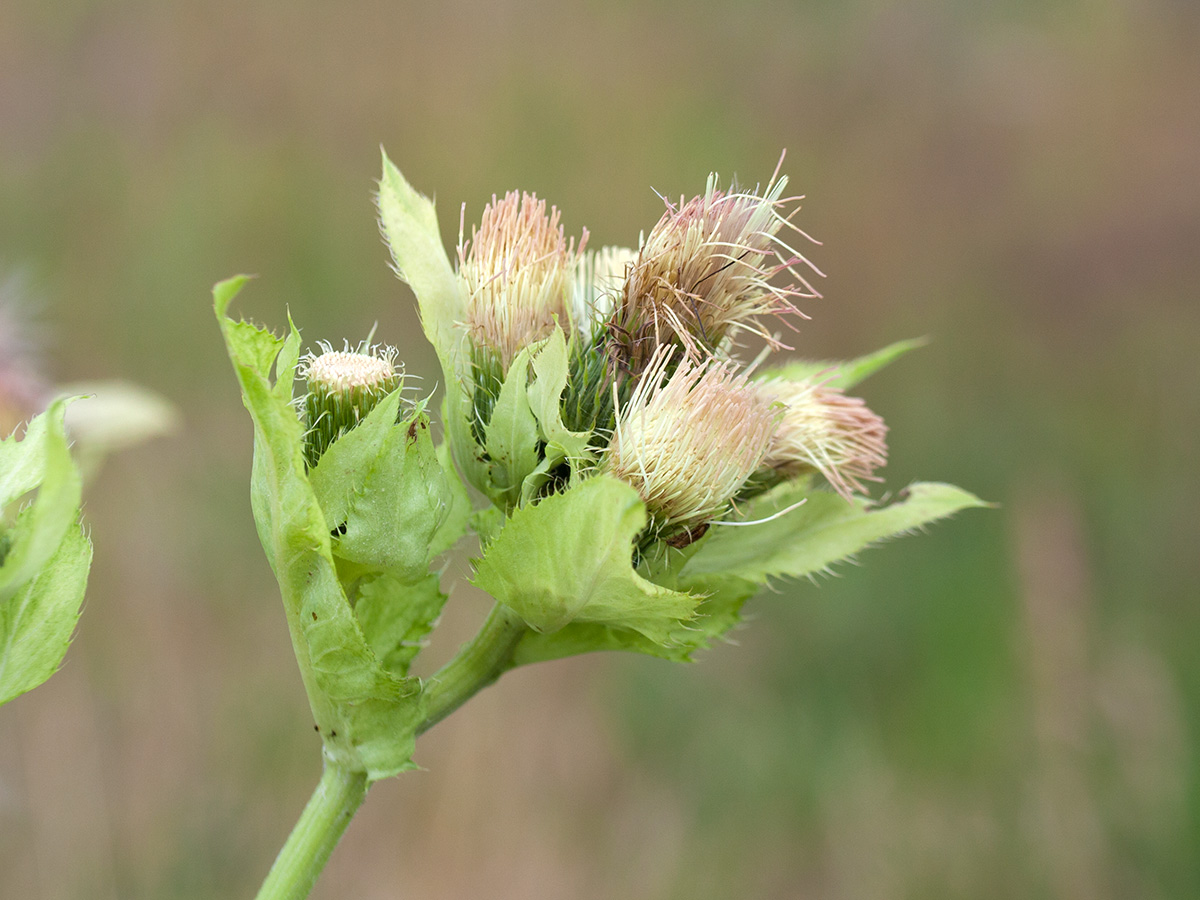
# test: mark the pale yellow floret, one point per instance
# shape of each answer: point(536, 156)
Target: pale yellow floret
point(335, 370)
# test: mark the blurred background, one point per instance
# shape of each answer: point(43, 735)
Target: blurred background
point(1008, 706)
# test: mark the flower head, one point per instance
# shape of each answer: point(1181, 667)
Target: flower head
point(343, 386)
point(705, 273)
point(516, 273)
point(825, 431)
point(688, 440)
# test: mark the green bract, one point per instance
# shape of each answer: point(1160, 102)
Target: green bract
point(44, 555)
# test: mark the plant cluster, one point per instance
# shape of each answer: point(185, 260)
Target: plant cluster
point(636, 481)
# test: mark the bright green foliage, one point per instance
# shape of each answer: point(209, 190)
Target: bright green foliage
point(568, 558)
point(512, 436)
point(844, 375)
point(367, 711)
point(822, 531)
point(44, 556)
point(409, 224)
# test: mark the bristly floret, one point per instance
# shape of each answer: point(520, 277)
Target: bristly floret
point(515, 272)
point(687, 441)
point(825, 431)
point(343, 386)
point(704, 274)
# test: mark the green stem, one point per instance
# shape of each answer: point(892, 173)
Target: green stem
point(479, 663)
point(333, 804)
point(340, 792)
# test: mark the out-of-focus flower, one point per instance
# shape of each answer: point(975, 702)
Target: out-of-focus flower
point(515, 272)
point(343, 386)
point(23, 390)
point(705, 273)
point(599, 279)
point(687, 441)
point(825, 431)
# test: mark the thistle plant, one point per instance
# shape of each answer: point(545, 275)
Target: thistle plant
point(630, 480)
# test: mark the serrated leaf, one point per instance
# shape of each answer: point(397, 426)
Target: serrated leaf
point(715, 616)
point(512, 435)
point(550, 369)
point(36, 623)
point(821, 532)
point(367, 715)
point(396, 617)
point(409, 224)
point(847, 373)
point(568, 558)
point(40, 460)
point(391, 521)
point(44, 568)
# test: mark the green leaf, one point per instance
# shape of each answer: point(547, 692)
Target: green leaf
point(397, 616)
point(512, 435)
point(846, 374)
point(550, 368)
point(817, 534)
point(458, 511)
point(44, 567)
point(403, 502)
point(568, 558)
point(40, 459)
point(410, 227)
point(715, 616)
point(384, 489)
point(367, 715)
point(36, 623)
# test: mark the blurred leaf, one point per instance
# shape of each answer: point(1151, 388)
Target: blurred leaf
point(45, 556)
point(36, 623)
point(821, 532)
point(569, 558)
point(366, 714)
point(846, 374)
point(42, 459)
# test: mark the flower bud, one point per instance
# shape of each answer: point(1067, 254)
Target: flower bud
point(704, 274)
point(825, 431)
point(688, 441)
point(343, 386)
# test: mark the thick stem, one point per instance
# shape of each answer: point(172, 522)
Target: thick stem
point(475, 666)
point(333, 804)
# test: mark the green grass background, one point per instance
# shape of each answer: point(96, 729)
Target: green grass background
point(1006, 707)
